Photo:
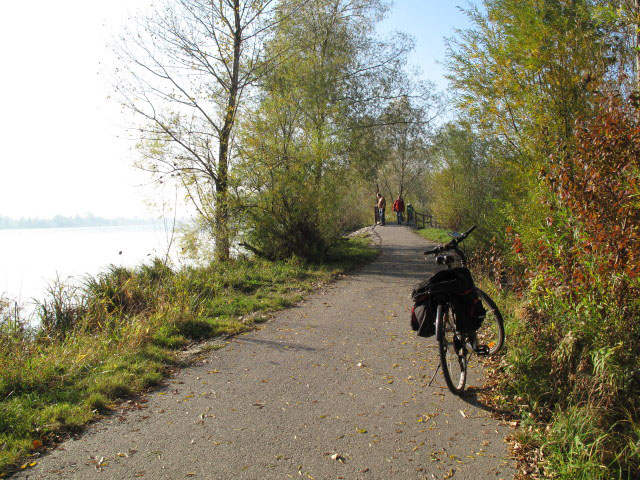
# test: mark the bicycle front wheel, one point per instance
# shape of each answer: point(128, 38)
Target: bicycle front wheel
point(453, 351)
point(491, 332)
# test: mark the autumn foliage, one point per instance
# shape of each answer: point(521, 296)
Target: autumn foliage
point(577, 351)
point(586, 261)
point(598, 183)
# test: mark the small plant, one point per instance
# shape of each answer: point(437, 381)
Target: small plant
point(62, 310)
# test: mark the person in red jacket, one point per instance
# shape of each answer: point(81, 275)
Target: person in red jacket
point(398, 207)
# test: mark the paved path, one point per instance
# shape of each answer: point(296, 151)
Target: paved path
point(335, 388)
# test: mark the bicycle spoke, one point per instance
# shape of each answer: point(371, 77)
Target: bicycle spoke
point(453, 352)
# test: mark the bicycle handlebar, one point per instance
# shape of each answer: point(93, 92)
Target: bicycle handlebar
point(465, 234)
point(452, 244)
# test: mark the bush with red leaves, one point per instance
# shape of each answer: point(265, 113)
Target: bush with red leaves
point(598, 182)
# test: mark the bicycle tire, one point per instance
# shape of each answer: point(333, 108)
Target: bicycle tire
point(453, 351)
point(491, 332)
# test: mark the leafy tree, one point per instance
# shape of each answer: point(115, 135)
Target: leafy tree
point(522, 72)
point(467, 185)
point(621, 20)
point(305, 191)
point(523, 75)
point(403, 133)
point(186, 68)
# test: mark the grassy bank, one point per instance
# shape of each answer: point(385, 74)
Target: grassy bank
point(577, 400)
point(120, 333)
point(438, 235)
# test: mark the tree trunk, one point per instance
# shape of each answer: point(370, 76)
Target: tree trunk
point(636, 5)
point(223, 234)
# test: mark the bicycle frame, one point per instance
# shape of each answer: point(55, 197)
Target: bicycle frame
point(455, 347)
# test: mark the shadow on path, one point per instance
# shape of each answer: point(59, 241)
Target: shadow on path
point(275, 344)
point(471, 397)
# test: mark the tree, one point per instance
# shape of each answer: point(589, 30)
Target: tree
point(523, 72)
point(620, 19)
point(403, 133)
point(467, 185)
point(299, 176)
point(523, 75)
point(185, 71)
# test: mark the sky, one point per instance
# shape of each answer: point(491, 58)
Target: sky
point(63, 146)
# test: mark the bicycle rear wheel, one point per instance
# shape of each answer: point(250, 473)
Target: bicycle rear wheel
point(491, 333)
point(453, 351)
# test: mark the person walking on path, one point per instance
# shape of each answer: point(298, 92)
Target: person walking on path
point(398, 207)
point(382, 204)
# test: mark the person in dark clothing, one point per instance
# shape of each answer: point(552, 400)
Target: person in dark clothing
point(410, 214)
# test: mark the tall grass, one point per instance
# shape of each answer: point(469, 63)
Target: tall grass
point(115, 335)
point(439, 235)
point(571, 371)
point(574, 387)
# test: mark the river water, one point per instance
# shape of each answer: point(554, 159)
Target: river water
point(30, 259)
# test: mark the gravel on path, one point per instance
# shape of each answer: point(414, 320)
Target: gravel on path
point(333, 388)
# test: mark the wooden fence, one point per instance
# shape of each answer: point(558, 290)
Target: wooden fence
point(423, 220)
point(419, 220)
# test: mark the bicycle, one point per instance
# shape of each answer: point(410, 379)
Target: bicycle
point(455, 346)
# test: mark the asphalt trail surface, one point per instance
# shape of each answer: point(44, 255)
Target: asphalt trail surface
point(333, 388)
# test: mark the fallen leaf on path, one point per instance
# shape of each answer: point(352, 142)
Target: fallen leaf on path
point(418, 446)
point(98, 463)
point(463, 414)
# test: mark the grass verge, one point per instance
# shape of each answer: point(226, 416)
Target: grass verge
point(119, 334)
point(438, 235)
point(590, 430)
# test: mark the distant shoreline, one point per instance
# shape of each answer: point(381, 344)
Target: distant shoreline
point(54, 227)
point(59, 221)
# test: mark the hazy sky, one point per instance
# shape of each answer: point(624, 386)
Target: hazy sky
point(61, 145)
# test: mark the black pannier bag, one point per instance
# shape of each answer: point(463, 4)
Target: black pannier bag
point(458, 287)
point(423, 319)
